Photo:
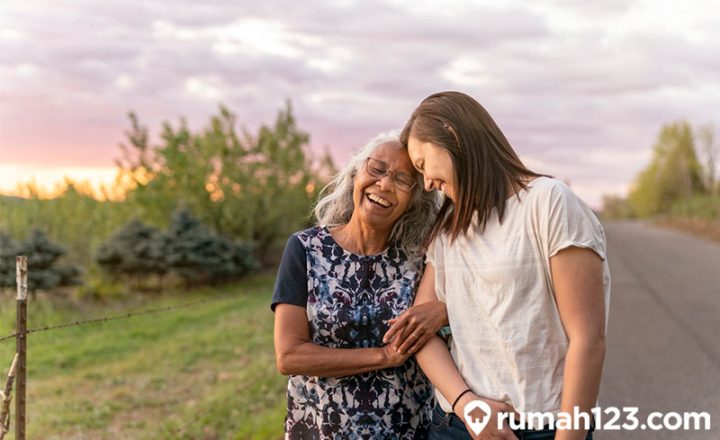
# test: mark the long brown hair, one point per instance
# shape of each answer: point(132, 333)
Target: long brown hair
point(486, 167)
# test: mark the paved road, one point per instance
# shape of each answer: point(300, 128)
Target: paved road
point(664, 332)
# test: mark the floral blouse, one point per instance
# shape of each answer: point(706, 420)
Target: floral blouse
point(349, 298)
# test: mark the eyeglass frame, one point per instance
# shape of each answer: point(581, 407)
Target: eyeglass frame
point(392, 174)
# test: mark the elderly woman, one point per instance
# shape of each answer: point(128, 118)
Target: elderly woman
point(338, 285)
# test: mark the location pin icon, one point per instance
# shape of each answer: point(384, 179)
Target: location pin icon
point(477, 415)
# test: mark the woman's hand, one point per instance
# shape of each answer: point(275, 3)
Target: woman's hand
point(392, 357)
point(491, 431)
point(410, 331)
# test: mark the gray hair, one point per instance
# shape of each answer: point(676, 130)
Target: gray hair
point(335, 205)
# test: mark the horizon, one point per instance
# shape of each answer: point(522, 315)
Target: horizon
point(580, 90)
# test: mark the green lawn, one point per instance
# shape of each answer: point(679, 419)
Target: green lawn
point(203, 372)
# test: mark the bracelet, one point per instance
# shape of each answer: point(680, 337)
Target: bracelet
point(445, 332)
point(458, 398)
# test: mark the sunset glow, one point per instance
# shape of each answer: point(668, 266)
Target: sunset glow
point(51, 181)
point(579, 88)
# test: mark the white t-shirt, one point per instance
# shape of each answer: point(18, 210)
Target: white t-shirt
point(507, 338)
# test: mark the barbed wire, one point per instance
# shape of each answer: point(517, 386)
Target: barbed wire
point(117, 317)
point(179, 428)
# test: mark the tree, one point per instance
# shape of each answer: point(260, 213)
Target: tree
point(74, 218)
point(44, 272)
point(254, 188)
point(674, 173)
point(197, 254)
point(710, 148)
point(189, 249)
point(616, 207)
point(9, 250)
point(135, 251)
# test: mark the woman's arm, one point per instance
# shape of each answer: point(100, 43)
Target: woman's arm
point(577, 275)
point(295, 353)
point(434, 357)
point(438, 365)
point(410, 331)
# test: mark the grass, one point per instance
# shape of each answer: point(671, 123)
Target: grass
point(700, 227)
point(202, 372)
point(699, 215)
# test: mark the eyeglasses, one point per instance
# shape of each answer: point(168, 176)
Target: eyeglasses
point(378, 168)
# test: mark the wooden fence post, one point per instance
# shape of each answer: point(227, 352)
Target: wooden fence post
point(6, 395)
point(20, 331)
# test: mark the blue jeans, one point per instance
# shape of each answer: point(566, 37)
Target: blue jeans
point(446, 426)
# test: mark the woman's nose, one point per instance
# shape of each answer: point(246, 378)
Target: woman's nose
point(386, 182)
point(428, 184)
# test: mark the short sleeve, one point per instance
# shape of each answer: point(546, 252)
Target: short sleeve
point(572, 223)
point(431, 252)
point(435, 257)
point(291, 282)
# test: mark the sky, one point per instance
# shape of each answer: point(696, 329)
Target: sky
point(580, 88)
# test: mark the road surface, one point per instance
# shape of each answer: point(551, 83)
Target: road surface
point(663, 341)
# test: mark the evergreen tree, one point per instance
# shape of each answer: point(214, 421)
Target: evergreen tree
point(135, 251)
point(243, 260)
point(9, 250)
point(44, 272)
point(74, 218)
point(197, 254)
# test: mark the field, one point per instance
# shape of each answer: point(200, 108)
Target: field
point(201, 372)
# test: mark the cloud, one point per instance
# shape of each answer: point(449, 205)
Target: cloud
point(580, 88)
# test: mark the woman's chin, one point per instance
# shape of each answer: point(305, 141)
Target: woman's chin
point(447, 196)
point(378, 219)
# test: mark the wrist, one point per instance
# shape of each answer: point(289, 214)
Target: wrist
point(445, 319)
point(459, 396)
point(381, 357)
point(442, 315)
point(386, 360)
point(462, 402)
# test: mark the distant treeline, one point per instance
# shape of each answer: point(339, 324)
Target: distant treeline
point(680, 181)
point(235, 195)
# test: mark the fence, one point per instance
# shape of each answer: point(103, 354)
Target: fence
point(17, 374)
point(18, 368)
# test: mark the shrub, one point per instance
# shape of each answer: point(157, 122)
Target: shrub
point(44, 271)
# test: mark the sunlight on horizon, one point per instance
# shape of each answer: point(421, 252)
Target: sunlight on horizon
point(51, 182)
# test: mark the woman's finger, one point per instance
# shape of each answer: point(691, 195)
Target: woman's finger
point(507, 434)
point(417, 346)
point(408, 344)
point(417, 339)
point(509, 409)
point(395, 327)
point(409, 339)
point(404, 333)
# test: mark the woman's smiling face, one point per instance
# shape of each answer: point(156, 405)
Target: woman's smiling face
point(377, 200)
point(435, 165)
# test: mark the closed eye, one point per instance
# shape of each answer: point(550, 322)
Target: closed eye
point(377, 170)
point(406, 179)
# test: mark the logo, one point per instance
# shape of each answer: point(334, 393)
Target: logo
point(477, 415)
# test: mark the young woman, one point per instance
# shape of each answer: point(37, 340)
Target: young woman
point(519, 260)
